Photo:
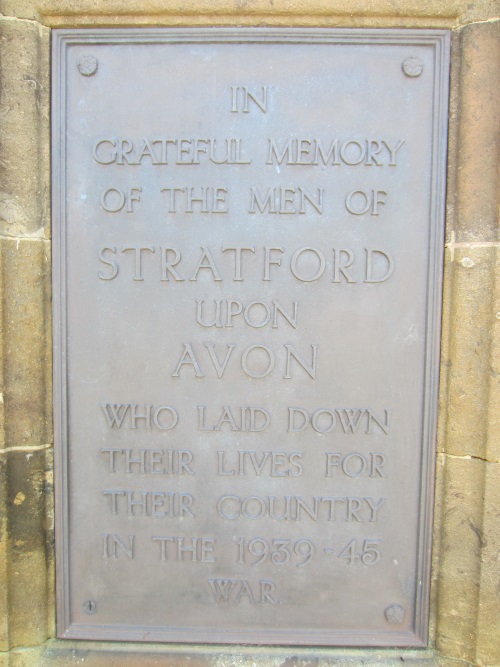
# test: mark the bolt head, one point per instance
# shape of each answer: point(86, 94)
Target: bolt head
point(87, 65)
point(90, 606)
point(412, 66)
point(395, 614)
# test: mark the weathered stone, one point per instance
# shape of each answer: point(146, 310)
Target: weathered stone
point(428, 13)
point(24, 657)
point(460, 549)
point(469, 315)
point(61, 654)
point(488, 618)
point(26, 544)
point(26, 346)
point(476, 187)
point(26, 430)
point(468, 594)
point(24, 142)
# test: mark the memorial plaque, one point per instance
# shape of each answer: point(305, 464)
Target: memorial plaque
point(248, 231)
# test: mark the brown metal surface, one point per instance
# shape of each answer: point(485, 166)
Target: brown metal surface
point(247, 261)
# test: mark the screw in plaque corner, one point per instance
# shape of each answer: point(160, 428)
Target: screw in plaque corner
point(87, 65)
point(394, 614)
point(412, 66)
point(90, 606)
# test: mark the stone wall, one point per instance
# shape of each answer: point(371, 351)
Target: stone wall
point(465, 617)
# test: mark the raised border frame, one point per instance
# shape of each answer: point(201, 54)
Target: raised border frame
point(440, 40)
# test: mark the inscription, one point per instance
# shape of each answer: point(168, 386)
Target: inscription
point(244, 418)
point(355, 464)
point(256, 361)
point(305, 265)
point(297, 508)
point(369, 553)
point(114, 200)
point(237, 590)
point(359, 202)
point(184, 549)
point(246, 98)
point(350, 420)
point(230, 150)
point(245, 280)
point(196, 200)
point(163, 150)
point(286, 200)
point(135, 416)
point(114, 544)
point(149, 461)
point(334, 152)
point(279, 552)
point(255, 314)
point(274, 464)
point(159, 504)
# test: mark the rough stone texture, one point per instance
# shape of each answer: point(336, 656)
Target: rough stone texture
point(488, 617)
point(382, 13)
point(97, 655)
point(468, 381)
point(23, 657)
point(25, 138)
point(469, 593)
point(87, 654)
point(26, 349)
point(26, 532)
point(465, 619)
point(473, 192)
point(477, 187)
point(468, 360)
point(26, 548)
point(460, 552)
point(466, 588)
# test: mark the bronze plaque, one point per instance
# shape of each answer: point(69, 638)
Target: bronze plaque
point(248, 231)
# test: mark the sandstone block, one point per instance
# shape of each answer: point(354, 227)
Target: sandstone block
point(25, 137)
point(26, 345)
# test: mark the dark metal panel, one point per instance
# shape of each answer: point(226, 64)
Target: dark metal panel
point(248, 231)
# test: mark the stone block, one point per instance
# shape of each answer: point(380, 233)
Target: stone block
point(383, 13)
point(94, 654)
point(466, 628)
point(469, 314)
point(26, 403)
point(25, 138)
point(474, 184)
point(488, 616)
point(26, 547)
point(25, 657)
